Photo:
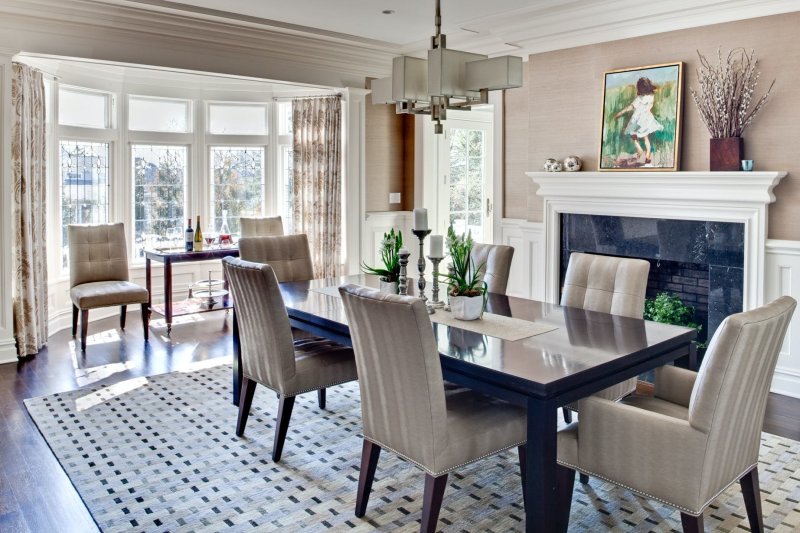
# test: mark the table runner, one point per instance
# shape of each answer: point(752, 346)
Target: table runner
point(502, 327)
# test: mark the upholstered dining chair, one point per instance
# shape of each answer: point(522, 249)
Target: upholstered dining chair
point(98, 275)
point(288, 255)
point(614, 285)
point(260, 226)
point(497, 258)
point(699, 433)
point(270, 355)
point(405, 407)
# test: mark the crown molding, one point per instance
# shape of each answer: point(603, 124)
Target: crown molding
point(90, 19)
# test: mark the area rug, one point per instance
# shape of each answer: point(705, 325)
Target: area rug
point(161, 454)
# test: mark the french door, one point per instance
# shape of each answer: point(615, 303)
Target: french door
point(465, 193)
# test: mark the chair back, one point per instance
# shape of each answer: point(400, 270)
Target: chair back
point(265, 335)
point(288, 255)
point(730, 393)
point(399, 372)
point(497, 258)
point(260, 226)
point(97, 252)
point(615, 285)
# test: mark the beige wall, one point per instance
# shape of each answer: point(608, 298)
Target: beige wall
point(562, 113)
point(389, 157)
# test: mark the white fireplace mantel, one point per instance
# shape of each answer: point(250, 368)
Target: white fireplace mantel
point(740, 197)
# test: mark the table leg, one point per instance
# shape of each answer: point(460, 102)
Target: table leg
point(168, 294)
point(237, 361)
point(541, 468)
point(148, 280)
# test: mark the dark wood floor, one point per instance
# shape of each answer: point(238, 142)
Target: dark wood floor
point(36, 495)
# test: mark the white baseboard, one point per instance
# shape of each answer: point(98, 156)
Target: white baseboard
point(8, 350)
point(786, 382)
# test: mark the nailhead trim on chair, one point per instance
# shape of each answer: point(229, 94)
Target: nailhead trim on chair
point(680, 508)
point(288, 394)
point(403, 456)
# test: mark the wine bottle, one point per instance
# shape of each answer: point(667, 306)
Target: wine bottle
point(198, 236)
point(189, 237)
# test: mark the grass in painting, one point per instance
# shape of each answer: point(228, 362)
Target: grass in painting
point(618, 148)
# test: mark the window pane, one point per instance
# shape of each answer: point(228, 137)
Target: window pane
point(150, 114)
point(287, 160)
point(159, 175)
point(84, 187)
point(285, 118)
point(82, 108)
point(237, 119)
point(237, 184)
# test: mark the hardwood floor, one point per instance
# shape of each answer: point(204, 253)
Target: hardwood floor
point(36, 495)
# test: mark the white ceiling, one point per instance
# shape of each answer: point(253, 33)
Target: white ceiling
point(493, 27)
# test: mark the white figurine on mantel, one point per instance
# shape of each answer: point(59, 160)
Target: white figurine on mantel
point(572, 163)
point(553, 165)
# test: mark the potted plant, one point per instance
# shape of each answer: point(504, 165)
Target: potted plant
point(669, 309)
point(727, 105)
point(466, 287)
point(390, 246)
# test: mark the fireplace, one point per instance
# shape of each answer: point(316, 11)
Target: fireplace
point(701, 262)
point(719, 217)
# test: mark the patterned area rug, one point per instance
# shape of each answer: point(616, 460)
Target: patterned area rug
point(161, 454)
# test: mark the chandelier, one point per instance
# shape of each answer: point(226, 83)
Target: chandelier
point(449, 79)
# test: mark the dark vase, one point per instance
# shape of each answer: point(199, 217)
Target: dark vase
point(726, 154)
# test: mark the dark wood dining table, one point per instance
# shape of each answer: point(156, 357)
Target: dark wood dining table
point(587, 352)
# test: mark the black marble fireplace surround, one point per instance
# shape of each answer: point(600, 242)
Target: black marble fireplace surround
point(702, 262)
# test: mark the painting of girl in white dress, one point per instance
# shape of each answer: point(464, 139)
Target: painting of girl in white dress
point(641, 118)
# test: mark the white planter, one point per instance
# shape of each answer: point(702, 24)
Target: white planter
point(389, 286)
point(466, 307)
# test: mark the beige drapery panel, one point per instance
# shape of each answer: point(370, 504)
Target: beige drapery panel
point(30, 243)
point(317, 179)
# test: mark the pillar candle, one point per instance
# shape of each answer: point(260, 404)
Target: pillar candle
point(437, 246)
point(420, 218)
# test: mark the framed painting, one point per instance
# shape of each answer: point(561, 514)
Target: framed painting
point(641, 120)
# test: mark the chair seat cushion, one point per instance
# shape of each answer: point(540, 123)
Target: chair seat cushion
point(478, 426)
point(320, 363)
point(107, 293)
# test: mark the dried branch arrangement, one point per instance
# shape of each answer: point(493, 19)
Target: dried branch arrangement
point(725, 98)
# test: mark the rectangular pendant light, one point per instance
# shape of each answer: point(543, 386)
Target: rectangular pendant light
point(494, 74)
point(447, 72)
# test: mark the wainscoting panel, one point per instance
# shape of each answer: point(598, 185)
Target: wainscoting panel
point(379, 222)
point(526, 279)
point(783, 277)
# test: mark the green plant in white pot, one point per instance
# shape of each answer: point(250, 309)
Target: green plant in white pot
point(390, 273)
point(466, 287)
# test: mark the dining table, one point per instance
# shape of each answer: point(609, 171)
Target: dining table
point(579, 353)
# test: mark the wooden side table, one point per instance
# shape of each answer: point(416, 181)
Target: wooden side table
point(170, 256)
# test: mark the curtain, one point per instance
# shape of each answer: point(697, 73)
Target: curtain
point(317, 179)
point(30, 243)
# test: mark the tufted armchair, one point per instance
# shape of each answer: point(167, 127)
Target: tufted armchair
point(261, 226)
point(98, 275)
point(614, 285)
point(497, 258)
point(699, 433)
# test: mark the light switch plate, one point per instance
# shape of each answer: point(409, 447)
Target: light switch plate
point(394, 197)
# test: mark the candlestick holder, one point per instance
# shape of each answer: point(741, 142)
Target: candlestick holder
point(421, 234)
point(402, 279)
point(435, 303)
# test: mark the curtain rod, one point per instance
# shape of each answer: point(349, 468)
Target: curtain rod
point(303, 97)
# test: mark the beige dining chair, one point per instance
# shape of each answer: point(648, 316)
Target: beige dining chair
point(614, 285)
point(270, 355)
point(405, 407)
point(699, 433)
point(497, 260)
point(98, 275)
point(288, 255)
point(260, 226)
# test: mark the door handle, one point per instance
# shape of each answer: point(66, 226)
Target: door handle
point(488, 207)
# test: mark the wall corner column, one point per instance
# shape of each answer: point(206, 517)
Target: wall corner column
point(8, 349)
point(353, 151)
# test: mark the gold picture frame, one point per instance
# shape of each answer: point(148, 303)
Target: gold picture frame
point(640, 124)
